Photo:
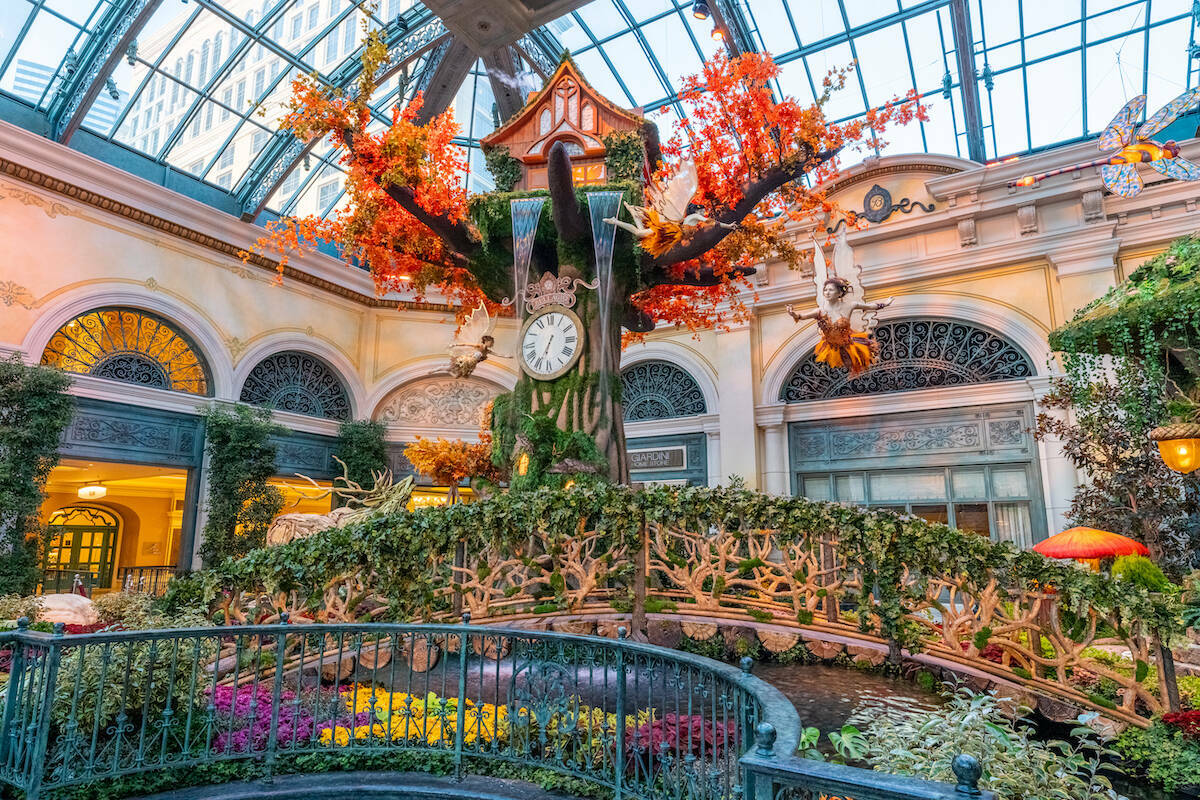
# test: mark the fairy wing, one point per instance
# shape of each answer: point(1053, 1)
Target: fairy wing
point(1178, 168)
point(1169, 113)
point(672, 203)
point(1121, 180)
point(820, 268)
point(478, 325)
point(1120, 131)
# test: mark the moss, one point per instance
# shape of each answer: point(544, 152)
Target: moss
point(505, 168)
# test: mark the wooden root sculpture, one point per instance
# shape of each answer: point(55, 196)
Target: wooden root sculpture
point(384, 497)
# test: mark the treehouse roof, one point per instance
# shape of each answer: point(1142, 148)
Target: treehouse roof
point(1160, 298)
point(526, 118)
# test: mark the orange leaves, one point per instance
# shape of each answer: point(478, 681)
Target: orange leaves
point(448, 462)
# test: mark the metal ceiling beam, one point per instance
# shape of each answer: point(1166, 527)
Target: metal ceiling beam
point(504, 68)
point(410, 36)
point(117, 29)
point(860, 30)
point(442, 83)
point(728, 15)
point(964, 50)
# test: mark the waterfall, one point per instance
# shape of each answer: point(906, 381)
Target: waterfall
point(526, 212)
point(602, 205)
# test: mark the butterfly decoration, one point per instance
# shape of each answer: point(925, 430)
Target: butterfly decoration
point(1130, 145)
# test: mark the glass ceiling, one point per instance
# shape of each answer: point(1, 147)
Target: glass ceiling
point(195, 100)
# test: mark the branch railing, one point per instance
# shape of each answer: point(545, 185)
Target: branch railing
point(643, 722)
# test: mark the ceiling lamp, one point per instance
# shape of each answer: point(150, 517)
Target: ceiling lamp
point(1179, 446)
point(93, 491)
point(700, 9)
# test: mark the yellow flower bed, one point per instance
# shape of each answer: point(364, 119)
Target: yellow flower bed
point(400, 716)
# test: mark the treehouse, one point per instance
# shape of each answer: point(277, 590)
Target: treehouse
point(567, 110)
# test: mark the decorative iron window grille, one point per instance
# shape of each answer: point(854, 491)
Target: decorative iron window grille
point(297, 382)
point(915, 354)
point(660, 390)
point(132, 346)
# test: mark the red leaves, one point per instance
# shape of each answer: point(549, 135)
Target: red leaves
point(1186, 721)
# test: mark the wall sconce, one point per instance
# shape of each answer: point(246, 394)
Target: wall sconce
point(523, 464)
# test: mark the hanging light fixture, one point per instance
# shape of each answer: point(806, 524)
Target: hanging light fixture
point(1179, 446)
point(700, 9)
point(718, 34)
point(93, 491)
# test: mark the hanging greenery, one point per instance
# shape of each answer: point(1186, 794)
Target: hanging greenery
point(361, 447)
point(624, 156)
point(505, 168)
point(241, 459)
point(35, 409)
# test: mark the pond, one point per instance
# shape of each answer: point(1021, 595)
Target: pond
point(828, 697)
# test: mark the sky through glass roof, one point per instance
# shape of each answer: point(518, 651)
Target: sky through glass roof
point(200, 91)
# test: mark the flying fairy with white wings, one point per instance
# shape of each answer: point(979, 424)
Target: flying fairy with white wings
point(1128, 148)
point(664, 223)
point(846, 340)
point(473, 343)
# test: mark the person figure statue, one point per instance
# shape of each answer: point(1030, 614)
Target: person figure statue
point(472, 344)
point(844, 344)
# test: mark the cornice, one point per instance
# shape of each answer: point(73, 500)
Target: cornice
point(983, 394)
point(873, 169)
point(699, 423)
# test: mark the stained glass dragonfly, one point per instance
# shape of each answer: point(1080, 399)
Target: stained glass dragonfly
point(1128, 148)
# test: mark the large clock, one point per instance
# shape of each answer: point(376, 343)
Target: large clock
point(551, 342)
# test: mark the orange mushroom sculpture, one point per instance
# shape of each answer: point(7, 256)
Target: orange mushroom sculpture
point(1089, 544)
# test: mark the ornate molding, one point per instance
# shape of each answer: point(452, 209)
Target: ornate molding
point(52, 208)
point(659, 390)
point(437, 403)
point(106, 204)
point(1093, 205)
point(12, 293)
point(892, 169)
point(966, 233)
point(1027, 221)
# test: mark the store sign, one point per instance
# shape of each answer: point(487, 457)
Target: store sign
point(657, 459)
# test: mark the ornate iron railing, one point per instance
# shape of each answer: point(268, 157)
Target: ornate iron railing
point(642, 721)
point(145, 580)
point(59, 581)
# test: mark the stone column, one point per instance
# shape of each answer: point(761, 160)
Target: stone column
point(1059, 476)
point(739, 440)
point(713, 434)
point(775, 451)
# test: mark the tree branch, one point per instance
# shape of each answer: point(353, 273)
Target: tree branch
point(709, 236)
point(569, 219)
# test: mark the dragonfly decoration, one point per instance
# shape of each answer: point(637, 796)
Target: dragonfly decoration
point(1128, 148)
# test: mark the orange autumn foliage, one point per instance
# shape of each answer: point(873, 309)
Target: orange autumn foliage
point(448, 462)
point(741, 138)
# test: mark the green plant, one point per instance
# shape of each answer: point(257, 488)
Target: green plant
point(505, 168)
point(15, 606)
point(624, 156)
point(1016, 765)
point(241, 458)
point(1141, 571)
point(128, 608)
point(34, 411)
point(362, 449)
point(1162, 753)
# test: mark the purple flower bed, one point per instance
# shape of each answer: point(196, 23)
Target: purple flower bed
point(243, 719)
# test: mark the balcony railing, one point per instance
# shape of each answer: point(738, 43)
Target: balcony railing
point(145, 580)
point(644, 722)
point(66, 581)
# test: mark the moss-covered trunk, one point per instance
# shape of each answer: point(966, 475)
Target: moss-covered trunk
point(558, 430)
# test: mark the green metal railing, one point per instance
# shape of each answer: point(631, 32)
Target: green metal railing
point(645, 722)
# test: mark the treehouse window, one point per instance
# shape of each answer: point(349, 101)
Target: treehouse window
point(588, 173)
point(544, 122)
point(588, 121)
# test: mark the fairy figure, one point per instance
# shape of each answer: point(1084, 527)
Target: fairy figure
point(665, 222)
point(844, 344)
point(473, 343)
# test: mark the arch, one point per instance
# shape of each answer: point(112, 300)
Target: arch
point(1009, 322)
point(685, 359)
point(571, 144)
point(297, 341)
point(437, 402)
point(95, 541)
point(491, 372)
point(915, 353)
point(130, 345)
point(298, 382)
point(82, 299)
point(654, 389)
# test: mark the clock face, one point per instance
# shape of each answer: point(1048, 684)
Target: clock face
point(550, 343)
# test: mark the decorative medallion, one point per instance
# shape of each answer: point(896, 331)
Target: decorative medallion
point(437, 403)
point(878, 206)
point(549, 290)
point(299, 383)
point(129, 345)
point(15, 294)
point(915, 354)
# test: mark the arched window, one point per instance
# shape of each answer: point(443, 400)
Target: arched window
point(297, 382)
point(915, 354)
point(129, 345)
point(82, 539)
point(660, 390)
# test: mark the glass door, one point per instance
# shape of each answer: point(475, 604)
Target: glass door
point(82, 540)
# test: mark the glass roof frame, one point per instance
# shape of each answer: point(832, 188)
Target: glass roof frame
point(1021, 54)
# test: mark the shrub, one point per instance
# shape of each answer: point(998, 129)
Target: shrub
point(1016, 765)
point(1163, 753)
point(362, 449)
point(1188, 722)
point(1140, 571)
point(15, 606)
point(505, 168)
point(116, 607)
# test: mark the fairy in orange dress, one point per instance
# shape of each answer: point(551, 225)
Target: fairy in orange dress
point(841, 345)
